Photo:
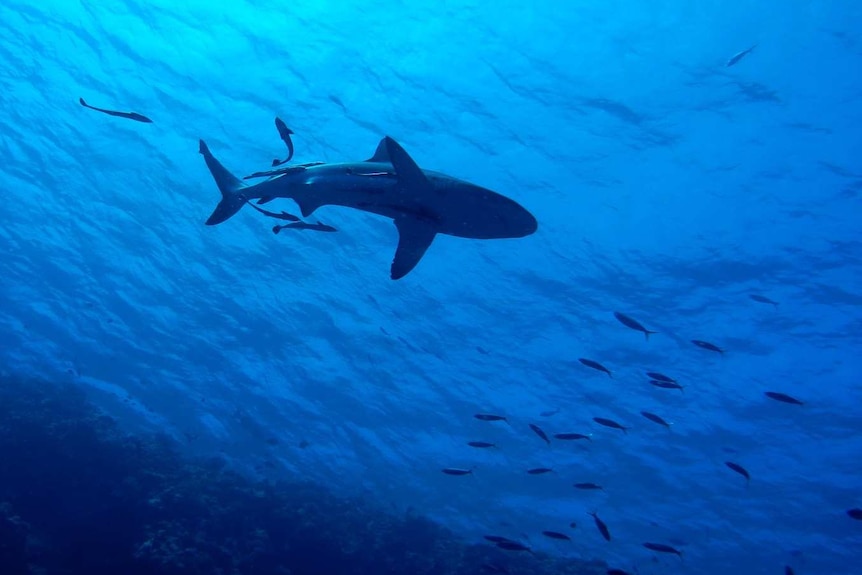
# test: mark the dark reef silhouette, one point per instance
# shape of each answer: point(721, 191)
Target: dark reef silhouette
point(78, 495)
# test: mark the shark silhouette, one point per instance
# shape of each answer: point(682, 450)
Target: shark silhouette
point(422, 203)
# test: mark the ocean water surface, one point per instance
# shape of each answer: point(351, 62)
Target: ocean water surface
point(694, 167)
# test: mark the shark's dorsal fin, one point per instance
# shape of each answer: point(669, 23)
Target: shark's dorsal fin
point(409, 173)
point(414, 237)
point(381, 154)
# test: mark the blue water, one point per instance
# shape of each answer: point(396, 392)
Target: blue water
point(667, 186)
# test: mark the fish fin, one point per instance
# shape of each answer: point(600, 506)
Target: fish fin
point(409, 174)
point(307, 205)
point(381, 154)
point(647, 333)
point(414, 238)
point(232, 198)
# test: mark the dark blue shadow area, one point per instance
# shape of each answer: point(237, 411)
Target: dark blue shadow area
point(79, 496)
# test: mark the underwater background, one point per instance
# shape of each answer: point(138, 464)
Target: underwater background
point(180, 398)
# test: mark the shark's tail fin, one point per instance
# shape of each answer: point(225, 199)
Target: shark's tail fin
point(232, 198)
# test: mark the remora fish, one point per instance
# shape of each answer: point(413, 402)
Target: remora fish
point(318, 227)
point(763, 299)
point(128, 115)
point(572, 436)
point(284, 133)
point(610, 423)
point(633, 324)
point(280, 216)
point(739, 469)
point(422, 203)
point(538, 431)
point(600, 525)
point(596, 365)
point(740, 55)
point(706, 345)
point(662, 548)
point(490, 417)
point(782, 397)
point(655, 418)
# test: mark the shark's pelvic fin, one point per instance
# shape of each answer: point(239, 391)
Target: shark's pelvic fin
point(308, 205)
point(414, 238)
point(232, 198)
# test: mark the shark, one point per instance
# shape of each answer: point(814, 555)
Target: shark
point(421, 203)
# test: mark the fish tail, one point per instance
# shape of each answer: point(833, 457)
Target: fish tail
point(232, 199)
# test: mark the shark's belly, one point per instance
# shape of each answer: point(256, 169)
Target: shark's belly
point(376, 192)
point(451, 206)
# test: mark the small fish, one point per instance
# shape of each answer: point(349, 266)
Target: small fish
point(284, 133)
point(481, 444)
point(513, 546)
point(496, 538)
point(617, 572)
point(556, 535)
point(763, 299)
point(281, 216)
point(572, 436)
point(740, 55)
point(855, 513)
point(660, 377)
point(573, 525)
point(318, 227)
point(662, 548)
point(596, 365)
point(128, 115)
point(600, 525)
point(457, 471)
point(667, 385)
point(538, 431)
point(610, 423)
point(782, 397)
point(655, 418)
point(788, 570)
point(482, 350)
point(540, 470)
point(588, 486)
point(633, 324)
point(739, 469)
point(706, 345)
point(490, 417)
point(550, 412)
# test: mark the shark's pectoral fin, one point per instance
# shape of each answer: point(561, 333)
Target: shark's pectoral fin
point(414, 237)
point(409, 174)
